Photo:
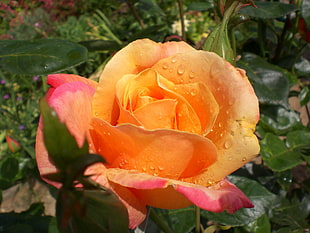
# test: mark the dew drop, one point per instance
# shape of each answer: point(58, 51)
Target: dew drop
point(155, 174)
point(165, 66)
point(96, 114)
point(108, 133)
point(220, 124)
point(170, 70)
point(181, 69)
point(192, 74)
point(228, 144)
point(144, 169)
point(174, 59)
point(179, 115)
point(230, 158)
point(193, 92)
point(160, 168)
point(243, 159)
point(152, 168)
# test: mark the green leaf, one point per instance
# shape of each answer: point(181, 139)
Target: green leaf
point(9, 168)
point(180, 220)
point(199, 6)
point(270, 82)
point(299, 139)
point(292, 213)
point(146, 33)
point(260, 225)
point(305, 11)
point(91, 211)
point(304, 96)
point(100, 45)
point(60, 144)
point(37, 57)
point(268, 10)
point(279, 120)
point(276, 155)
point(260, 197)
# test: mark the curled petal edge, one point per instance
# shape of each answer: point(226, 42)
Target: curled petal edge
point(215, 198)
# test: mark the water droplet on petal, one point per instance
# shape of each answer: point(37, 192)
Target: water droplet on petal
point(165, 66)
point(144, 169)
point(160, 168)
point(243, 159)
point(193, 92)
point(96, 114)
point(181, 69)
point(228, 144)
point(230, 158)
point(192, 74)
point(152, 168)
point(174, 59)
point(108, 133)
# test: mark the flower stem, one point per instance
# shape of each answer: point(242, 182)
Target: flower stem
point(159, 222)
point(197, 214)
point(181, 12)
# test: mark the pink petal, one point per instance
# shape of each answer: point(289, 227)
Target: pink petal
point(165, 193)
point(72, 103)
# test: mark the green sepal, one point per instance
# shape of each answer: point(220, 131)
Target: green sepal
point(59, 142)
point(79, 165)
point(91, 211)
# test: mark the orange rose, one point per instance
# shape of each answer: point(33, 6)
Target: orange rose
point(172, 123)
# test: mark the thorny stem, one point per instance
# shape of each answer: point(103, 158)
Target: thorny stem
point(180, 5)
point(135, 13)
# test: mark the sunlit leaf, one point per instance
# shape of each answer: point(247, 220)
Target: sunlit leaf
point(279, 120)
point(304, 96)
point(276, 155)
point(305, 11)
point(37, 57)
point(270, 82)
point(260, 225)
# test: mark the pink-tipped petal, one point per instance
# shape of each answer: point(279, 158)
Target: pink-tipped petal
point(165, 193)
point(216, 198)
point(72, 103)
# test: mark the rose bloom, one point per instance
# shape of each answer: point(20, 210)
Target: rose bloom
point(171, 121)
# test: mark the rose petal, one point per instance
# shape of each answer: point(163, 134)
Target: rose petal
point(137, 56)
point(233, 131)
point(55, 80)
point(158, 115)
point(165, 193)
point(200, 99)
point(136, 209)
point(153, 88)
point(130, 147)
point(68, 100)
